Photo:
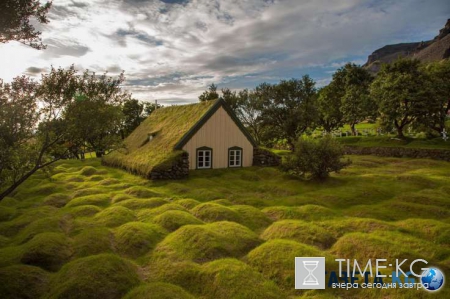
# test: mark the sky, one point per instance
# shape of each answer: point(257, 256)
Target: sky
point(171, 50)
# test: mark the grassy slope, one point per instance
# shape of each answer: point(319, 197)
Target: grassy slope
point(99, 231)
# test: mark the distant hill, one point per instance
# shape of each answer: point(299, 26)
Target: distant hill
point(426, 51)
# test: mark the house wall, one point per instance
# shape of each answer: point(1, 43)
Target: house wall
point(219, 133)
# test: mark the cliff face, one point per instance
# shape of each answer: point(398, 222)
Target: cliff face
point(426, 51)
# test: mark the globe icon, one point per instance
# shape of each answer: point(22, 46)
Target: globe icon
point(433, 278)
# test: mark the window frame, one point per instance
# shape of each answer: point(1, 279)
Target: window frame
point(204, 149)
point(235, 149)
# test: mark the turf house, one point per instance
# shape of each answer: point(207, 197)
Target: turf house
point(176, 139)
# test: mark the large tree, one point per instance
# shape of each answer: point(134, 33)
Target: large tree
point(289, 107)
point(330, 116)
point(248, 110)
point(37, 127)
point(439, 102)
point(16, 21)
point(132, 111)
point(402, 90)
point(351, 85)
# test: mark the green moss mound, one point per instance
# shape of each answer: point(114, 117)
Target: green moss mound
point(87, 191)
point(120, 197)
point(114, 216)
point(57, 200)
point(172, 220)
point(188, 203)
point(83, 211)
point(135, 239)
point(88, 171)
point(222, 201)
point(48, 251)
point(252, 217)
point(158, 290)
point(230, 278)
point(97, 276)
point(100, 200)
point(306, 212)
point(275, 260)
point(149, 214)
point(44, 225)
point(141, 192)
point(10, 255)
point(212, 212)
point(300, 231)
point(202, 243)
point(7, 213)
point(22, 281)
point(4, 241)
point(428, 229)
point(109, 182)
point(142, 203)
point(93, 241)
point(363, 246)
point(12, 227)
point(186, 274)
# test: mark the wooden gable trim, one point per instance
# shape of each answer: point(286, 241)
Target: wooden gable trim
point(219, 103)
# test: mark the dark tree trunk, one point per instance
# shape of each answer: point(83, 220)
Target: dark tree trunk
point(352, 126)
point(23, 179)
point(99, 154)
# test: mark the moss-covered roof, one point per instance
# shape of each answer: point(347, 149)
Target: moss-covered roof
point(168, 125)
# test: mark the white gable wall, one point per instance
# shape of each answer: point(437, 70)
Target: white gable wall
point(220, 133)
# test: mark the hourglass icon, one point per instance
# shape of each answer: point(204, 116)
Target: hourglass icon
point(310, 279)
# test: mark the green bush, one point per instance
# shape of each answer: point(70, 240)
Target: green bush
point(158, 290)
point(316, 158)
point(96, 276)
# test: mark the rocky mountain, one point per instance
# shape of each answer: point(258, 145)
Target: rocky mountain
point(426, 51)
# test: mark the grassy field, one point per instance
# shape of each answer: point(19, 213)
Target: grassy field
point(384, 141)
point(89, 231)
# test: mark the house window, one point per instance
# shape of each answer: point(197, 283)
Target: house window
point(204, 158)
point(235, 157)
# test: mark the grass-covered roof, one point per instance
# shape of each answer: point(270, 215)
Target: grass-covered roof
point(168, 125)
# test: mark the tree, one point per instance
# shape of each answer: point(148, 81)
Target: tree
point(15, 17)
point(210, 94)
point(38, 126)
point(248, 110)
point(132, 111)
point(351, 85)
point(316, 158)
point(38, 144)
point(439, 102)
point(95, 116)
point(402, 92)
point(288, 107)
point(330, 116)
point(149, 108)
point(230, 97)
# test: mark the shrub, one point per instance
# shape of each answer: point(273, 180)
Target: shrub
point(158, 290)
point(172, 220)
point(23, 281)
point(96, 276)
point(316, 158)
point(136, 238)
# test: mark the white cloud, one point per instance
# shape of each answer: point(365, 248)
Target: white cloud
point(173, 51)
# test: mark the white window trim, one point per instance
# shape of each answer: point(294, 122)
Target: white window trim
point(234, 160)
point(209, 162)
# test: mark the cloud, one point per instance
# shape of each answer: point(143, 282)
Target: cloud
point(172, 50)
